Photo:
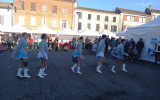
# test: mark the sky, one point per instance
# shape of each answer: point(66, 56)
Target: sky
point(110, 5)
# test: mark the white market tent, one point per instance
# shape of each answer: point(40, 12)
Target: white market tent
point(123, 33)
point(18, 28)
point(149, 32)
point(87, 32)
point(67, 31)
point(43, 29)
point(110, 34)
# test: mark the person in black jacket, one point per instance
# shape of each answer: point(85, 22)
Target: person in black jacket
point(139, 47)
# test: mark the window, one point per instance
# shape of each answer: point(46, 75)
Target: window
point(54, 23)
point(33, 6)
point(89, 16)
point(97, 27)
point(64, 12)
point(54, 9)
point(44, 8)
point(89, 26)
point(98, 17)
point(113, 28)
point(44, 21)
point(1, 20)
point(106, 27)
point(79, 26)
point(64, 23)
point(140, 19)
point(21, 5)
point(80, 15)
point(21, 20)
point(128, 18)
point(133, 18)
point(144, 19)
point(33, 21)
point(106, 18)
point(114, 19)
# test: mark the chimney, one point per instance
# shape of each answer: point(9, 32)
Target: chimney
point(149, 7)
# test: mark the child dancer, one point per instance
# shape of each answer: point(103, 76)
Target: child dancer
point(21, 48)
point(119, 56)
point(78, 55)
point(100, 53)
point(43, 55)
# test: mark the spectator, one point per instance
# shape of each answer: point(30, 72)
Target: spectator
point(131, 48)
point(74, 42)
point(66, 45)
point(30, 42)
point(35, 38)
point(157, 51)
point(56, 45)
point(126, 46)
point(53, 38)
point(1, 48)
point(107, 42)
point(9, 41)
point(139, 47)
point(113, 43)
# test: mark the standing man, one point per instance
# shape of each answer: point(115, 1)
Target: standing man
point(107, 41)
point(100, 54)
point(139, 46)
point(157, 51)
point(35, 38)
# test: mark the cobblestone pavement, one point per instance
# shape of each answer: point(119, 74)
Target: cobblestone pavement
point(142, 82)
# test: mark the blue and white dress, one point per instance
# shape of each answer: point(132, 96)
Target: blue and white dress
point(43, 50)
point(78, 51)
point(21, 48)
point(101, 49)
point(121, 51)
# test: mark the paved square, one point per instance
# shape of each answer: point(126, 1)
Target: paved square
point(142, 82)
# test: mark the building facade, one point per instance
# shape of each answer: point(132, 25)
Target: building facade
point(6, 14)
point(55, 14)
point(153, 12)
point(131, 18)
point(96, 20)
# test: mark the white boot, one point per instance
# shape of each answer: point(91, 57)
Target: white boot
point(113, 67)
point(40, 73)
point(26, 74)
point(98, 69)
point(73, 67)
point(43, 72)
point(19, 72)
point(78, 70)
point(124, 67)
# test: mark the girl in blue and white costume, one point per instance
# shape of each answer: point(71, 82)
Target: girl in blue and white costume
point(43, 55)
point(119, 56)
point(78, 55)
point(100, 53)
point(21, 48)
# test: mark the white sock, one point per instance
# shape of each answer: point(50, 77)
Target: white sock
point(74, 66)
point(98, 67)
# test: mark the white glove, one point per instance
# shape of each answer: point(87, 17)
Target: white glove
point(126, 54)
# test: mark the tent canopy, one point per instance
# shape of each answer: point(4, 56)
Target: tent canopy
point(87, 32)
point(67, 31)
point(110, 34)
point(44, 29)
point(123, 33)
point(18, 28)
